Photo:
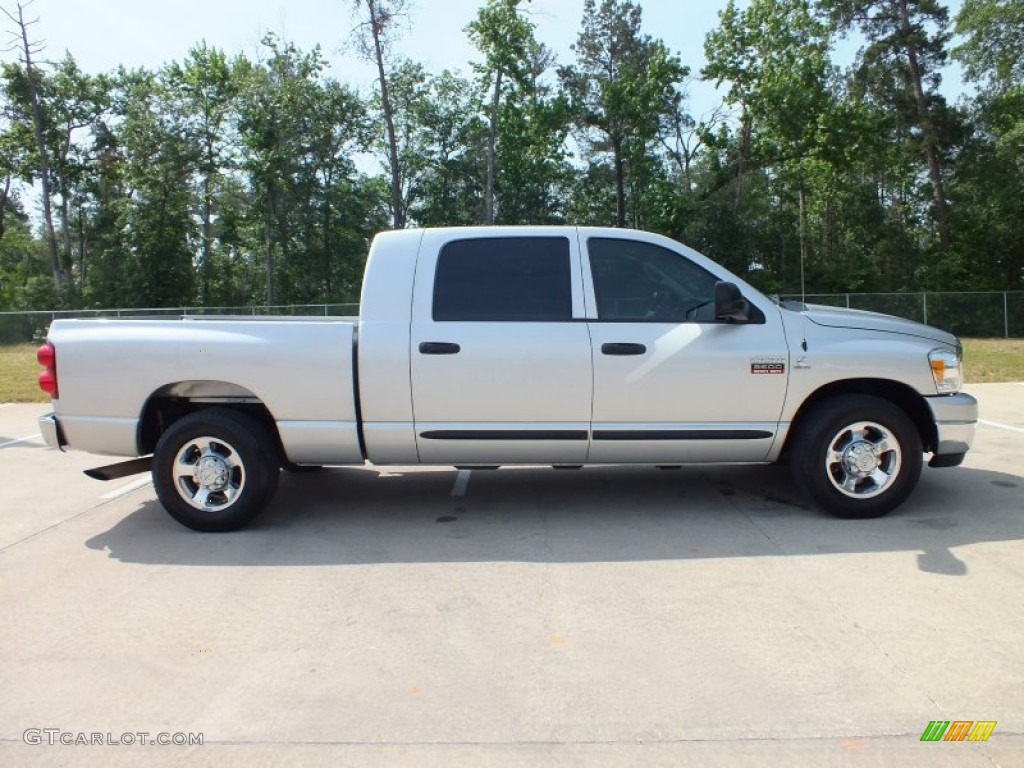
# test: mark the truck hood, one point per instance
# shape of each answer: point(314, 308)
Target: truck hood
point(858, 319)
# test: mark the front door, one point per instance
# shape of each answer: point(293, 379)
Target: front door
point(672, 384)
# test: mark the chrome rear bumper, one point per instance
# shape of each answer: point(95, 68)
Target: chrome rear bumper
point(51, 432)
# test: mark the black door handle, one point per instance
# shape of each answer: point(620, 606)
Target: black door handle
point(623, 349)
point(439, 348)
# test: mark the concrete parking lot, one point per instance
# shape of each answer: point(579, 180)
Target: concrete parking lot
point(421, 617)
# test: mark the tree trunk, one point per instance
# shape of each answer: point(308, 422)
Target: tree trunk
point(269, 237)
point(65, 230)
point(620, 183)
point(3, 205)
point(492, 140)
point(931, 143)
point(328, 245)
point(687, 182)
point(397, 204)
point(803, 241)
point(741, 162)
point(67, 260)
point(82, 246)
point(204, 270)
point(270, 269)
point(59, 278)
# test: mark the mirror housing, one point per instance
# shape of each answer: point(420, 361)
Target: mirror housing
point(730, 306)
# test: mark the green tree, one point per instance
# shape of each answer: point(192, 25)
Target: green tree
point(311, 214)
point(206, 89)
point(25, 280)
point(27, 97)
point(988, 183)
point(159, 161)
point(534, 171)
point(376, 31)
point(906, 48)
point(276, 100)
point(71, 104)
point(16, 148)
point(993, 49)
point(775, 57)
point(618, 88)
point(993, 57)
point(505, 38)
point(74, 102)
point(442, 144)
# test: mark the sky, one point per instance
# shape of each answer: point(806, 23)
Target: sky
point(149, 33)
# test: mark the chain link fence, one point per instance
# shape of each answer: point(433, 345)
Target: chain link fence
point(25, 327)
point(973, 315)
point(979, 315)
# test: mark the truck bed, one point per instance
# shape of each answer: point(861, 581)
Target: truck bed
point(299, 368)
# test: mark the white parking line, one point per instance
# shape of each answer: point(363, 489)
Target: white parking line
point(461, 482)
point(132, 486)
point(6, 405)
point(20, 440)
point(1001, 426)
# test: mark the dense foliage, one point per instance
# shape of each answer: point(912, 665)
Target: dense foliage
point(219, 180)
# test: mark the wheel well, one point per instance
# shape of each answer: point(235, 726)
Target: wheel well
point(900, 395)
point(165, 407)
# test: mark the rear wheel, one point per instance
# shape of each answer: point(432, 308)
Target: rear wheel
point(215, 470)
point(857, 456)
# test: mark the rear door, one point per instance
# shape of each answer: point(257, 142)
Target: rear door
point(501, 361)
point(672, 384)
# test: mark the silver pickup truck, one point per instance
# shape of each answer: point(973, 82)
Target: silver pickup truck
point(514, 345)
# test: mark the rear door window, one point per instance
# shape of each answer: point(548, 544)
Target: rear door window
point(506, 279)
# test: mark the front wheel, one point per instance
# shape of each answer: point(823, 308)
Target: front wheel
point(857, 456)
point(215, 470)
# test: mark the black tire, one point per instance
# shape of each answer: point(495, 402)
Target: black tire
point(239, 461)
point(857, 456)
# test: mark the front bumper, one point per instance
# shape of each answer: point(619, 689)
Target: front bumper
point(955, 417)
point(51, 431)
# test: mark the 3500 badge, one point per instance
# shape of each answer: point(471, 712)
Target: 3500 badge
point(767, 365)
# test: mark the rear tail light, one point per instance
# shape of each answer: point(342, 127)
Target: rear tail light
point(47, 357)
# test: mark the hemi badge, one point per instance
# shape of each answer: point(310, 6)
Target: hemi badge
point(768, 365)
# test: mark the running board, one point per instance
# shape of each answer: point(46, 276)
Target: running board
point(121, 469)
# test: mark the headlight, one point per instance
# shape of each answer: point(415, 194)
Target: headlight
point(947, 370)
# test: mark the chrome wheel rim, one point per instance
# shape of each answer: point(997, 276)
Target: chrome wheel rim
point(863, 460)
point(208, 474)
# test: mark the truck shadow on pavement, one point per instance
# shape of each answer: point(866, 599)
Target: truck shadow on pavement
point(357, 516)
point(23, 442)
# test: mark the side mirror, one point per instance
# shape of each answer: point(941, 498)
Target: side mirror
point(730, 305)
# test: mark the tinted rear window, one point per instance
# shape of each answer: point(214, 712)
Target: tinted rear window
point(504, 279)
